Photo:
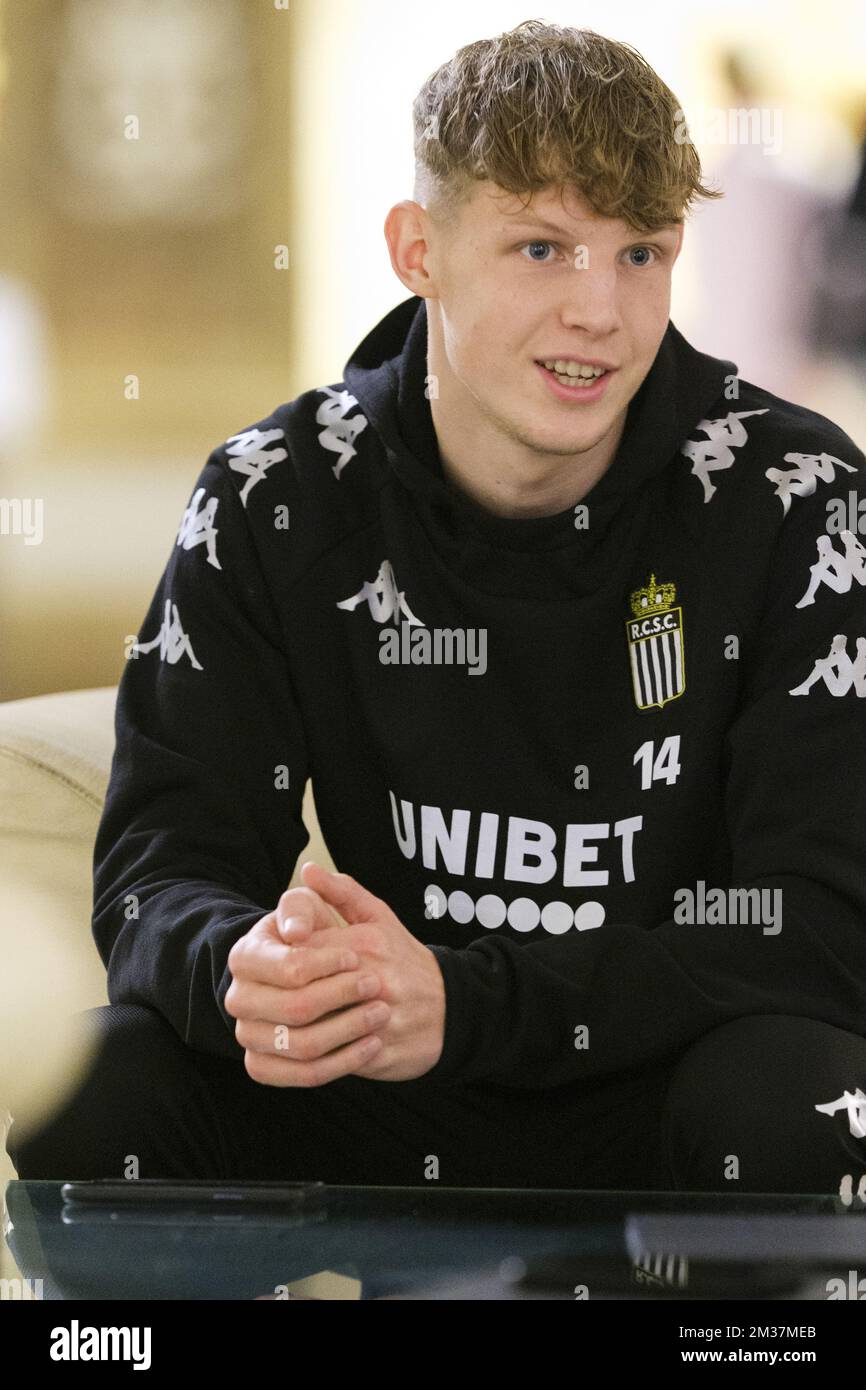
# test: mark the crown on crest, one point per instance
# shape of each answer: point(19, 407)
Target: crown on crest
point(655, 598)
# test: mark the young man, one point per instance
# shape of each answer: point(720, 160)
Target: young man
point(553, 609)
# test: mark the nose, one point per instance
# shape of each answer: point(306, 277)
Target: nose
point(590, 299)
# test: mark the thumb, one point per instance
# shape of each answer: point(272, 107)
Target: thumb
point(354, 902)
point(301, 912)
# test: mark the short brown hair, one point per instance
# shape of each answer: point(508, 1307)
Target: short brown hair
point(546, 105)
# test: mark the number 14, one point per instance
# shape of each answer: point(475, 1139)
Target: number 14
point(666, 766)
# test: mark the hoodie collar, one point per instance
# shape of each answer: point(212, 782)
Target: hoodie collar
point(387, 375)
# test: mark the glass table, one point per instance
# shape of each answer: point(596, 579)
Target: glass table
point(443, 1242)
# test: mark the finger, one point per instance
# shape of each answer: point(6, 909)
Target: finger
point(277, 1071)
point(249, 999)
point(354, 902)
point(317, 1039)
point(301, 911)
point(264, 960)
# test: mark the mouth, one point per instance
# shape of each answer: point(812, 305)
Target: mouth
point(571, 380)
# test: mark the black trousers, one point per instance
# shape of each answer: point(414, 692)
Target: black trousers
point(734, 1112)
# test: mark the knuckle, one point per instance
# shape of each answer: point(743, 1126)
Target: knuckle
point(251, 1064)
point(235, 1000)
point(296, 1012)
point(349, 990)
point(294, 969)
point(299, 1048)
point(290, 1012)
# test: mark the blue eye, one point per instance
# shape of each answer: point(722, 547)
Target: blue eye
point(536, 243)
point(643, 248)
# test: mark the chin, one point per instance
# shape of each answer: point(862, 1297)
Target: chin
point(562, 442)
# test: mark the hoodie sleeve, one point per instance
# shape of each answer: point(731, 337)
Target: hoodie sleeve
point(201, 825)
point(795, 805)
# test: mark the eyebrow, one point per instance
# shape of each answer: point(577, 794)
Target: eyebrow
point(540, 224)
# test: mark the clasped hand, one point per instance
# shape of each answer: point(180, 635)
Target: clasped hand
point(332, 984)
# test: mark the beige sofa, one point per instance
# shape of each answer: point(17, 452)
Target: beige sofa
point(55, 759)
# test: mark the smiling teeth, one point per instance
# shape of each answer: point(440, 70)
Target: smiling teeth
point(573, 369)
point(573, 373)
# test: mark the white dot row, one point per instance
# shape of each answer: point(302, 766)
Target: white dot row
point(523, 914)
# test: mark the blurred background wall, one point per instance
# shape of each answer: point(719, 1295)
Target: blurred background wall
point(193, 194)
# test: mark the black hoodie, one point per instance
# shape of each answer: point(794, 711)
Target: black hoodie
point(652, 700)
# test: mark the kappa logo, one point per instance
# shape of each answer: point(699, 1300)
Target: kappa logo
point(198, 526)
point(802, 480)
point(172, 641)
point(247, 455)
point(656, 647)
point(837, 571)
point(717, 450)
point(339, 433)
point(854, 1102)
point(838, 672)
point(385, 600)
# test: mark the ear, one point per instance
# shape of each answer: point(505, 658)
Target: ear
point(407, 232)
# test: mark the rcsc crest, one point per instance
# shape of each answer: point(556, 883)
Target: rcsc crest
point(655, 645)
